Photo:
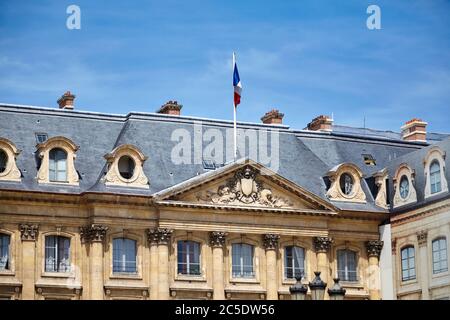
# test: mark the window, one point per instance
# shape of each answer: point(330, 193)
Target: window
point(209, 164)
point(440, 255)
point(4, 251)
point(188, 257)
point(369, 160)
point(124, 255)
point(57, 254)
point(435, 177)
point(126, 167)
point(58, 165)
point(408, 264)
point(3, 160)
point(242, 260)
point(346, 183)
point(404, 187)
point(294, 262)
point(41, 137)
point(347, 265)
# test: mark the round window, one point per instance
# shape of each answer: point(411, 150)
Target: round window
point(404, 187)
point(346, 183)
point(3, 160)
point(126, 167)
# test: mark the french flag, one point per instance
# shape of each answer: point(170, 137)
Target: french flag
point(236, 83)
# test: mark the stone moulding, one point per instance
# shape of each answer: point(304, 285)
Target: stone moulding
point(244, 188)
point(335, 193)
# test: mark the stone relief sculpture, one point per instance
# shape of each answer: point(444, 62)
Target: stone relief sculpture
point(244, 188)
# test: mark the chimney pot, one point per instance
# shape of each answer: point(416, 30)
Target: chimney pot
point(320, 123)
point(414, 130)
point(171, 107)
point(273, 117)
point(66, 100)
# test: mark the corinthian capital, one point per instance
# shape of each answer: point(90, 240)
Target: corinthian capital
point(159, 235)
point(271, 241)
point(322, 244)
point(93, 233)
point(217, 238)
point(28, 232)
point(374, 248)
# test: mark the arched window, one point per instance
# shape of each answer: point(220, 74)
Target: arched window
point(294, 262)
point(440, 255)
point(124, 255)
point(408, 263)
point(4, 251)
point(347, 265)
point(435, 177)
point(404, 187)
point(126, 167)
point(242, 260)
point(58, 165)
point(346, 183)
point(188, 257)
point(3, 160)
point(57, 254)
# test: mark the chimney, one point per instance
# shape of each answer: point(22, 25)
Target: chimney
point(171, 107)
point(320, 123)
point(414, 130)
point(273, 117)
point(66, 101)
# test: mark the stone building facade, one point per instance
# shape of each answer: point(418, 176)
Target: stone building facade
point(98, 206)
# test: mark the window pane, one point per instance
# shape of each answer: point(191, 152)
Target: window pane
point(4, 251)
point(124, 255)
point(188, 257)
point(242, 260)
point(57, 165)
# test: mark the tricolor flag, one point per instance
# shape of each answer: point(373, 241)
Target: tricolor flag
point(236, 83)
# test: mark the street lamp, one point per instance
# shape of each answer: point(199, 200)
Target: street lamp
point(298, 290)
point(336, 292)
point(317, 287)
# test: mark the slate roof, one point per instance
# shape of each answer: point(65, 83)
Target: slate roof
point(304, 156)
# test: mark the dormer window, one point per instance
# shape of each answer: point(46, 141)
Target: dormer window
point(57, 165)
point(434, 170)
point(8, 167)
point(345, 183)
point(405, 192)
point(126, 167)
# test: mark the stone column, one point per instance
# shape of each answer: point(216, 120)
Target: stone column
point(322, 245)
point(394, 266)
point(153, 237)
point(373, 252)
point(95, 234)
point(422, 263)
point(28, 234)
point(217, 241)
point(163, 262)
point(271, 244)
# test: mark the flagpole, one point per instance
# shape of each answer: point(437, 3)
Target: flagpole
point(234, 117)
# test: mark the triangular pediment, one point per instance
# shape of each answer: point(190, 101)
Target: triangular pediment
point(244, 183)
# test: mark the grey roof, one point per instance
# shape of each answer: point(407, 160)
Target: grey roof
point(304, 156)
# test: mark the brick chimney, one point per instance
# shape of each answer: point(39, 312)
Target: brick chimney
point(320, 123)
point(414, 130)
point(66, 100)
point(171, 107)
point(273, 117)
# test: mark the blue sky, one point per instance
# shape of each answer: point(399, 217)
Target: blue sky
point(303, 57)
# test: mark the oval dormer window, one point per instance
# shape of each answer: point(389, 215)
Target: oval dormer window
point(346, 183)
point(404, 187)
point(126, 167)
point(3, 160)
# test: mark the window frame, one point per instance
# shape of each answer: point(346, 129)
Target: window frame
point(136, 255)
point(57, 254)
point(8, 267)
point(347, 278)
point(303, 271)
point(186, 255)
point(433, 175)
point(408, 258)
point(241, 265)
point(433, 262)
point(56, 163)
